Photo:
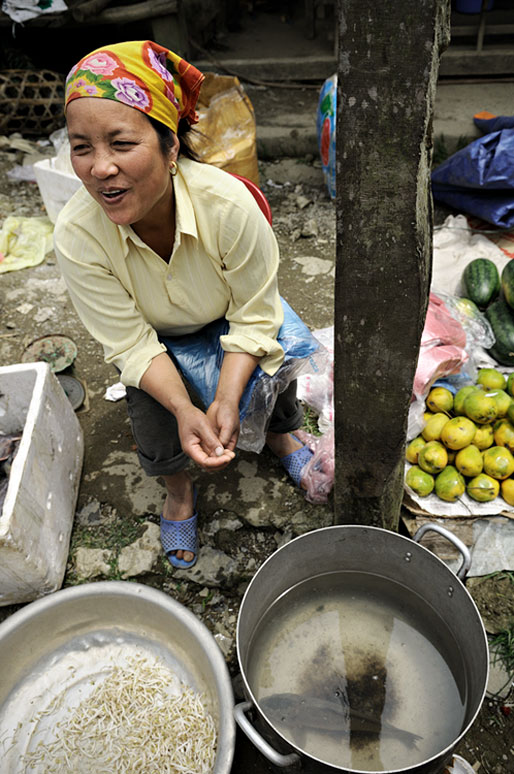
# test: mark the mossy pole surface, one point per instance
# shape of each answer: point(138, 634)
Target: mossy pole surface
point(387, 74)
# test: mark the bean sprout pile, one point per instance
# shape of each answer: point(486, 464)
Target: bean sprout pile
point(140, 719)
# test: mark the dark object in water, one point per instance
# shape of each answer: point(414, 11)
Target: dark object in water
point(328, 715)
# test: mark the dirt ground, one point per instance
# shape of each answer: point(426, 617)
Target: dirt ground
point(115, 498)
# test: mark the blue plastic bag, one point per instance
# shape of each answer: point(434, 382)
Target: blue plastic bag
point(326, 130)
point(479, 179)
point(494, 123)
point(199, 357)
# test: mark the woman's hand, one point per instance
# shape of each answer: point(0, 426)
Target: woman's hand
point(224, 417)
point(197, 437)
point(200, 440)
point(223, 413)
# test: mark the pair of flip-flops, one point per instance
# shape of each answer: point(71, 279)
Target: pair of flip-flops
point(295, 462)
point(181, 536)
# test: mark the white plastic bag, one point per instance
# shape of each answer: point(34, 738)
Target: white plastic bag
point(454, 246)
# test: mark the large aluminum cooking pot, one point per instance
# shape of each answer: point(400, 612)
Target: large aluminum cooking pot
point(391, 558)
point(81, 630)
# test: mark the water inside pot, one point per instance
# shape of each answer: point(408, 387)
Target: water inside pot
point(358, 671)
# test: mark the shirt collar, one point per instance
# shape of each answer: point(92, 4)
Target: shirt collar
point(184, 211)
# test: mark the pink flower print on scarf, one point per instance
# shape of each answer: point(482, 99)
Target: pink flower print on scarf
point(100, 64)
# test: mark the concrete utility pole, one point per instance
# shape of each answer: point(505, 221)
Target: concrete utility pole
point(387, 74)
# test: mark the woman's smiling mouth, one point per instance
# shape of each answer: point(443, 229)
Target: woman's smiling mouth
point(113, 195)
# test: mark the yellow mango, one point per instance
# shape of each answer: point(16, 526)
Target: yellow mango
point(433, 457)
point(484, 437)
point(413, 449)
point(507, 490)
point(504, 434)
point(480, 407)
point(503, 401)
point(460, 397)
point(450, 484)
point(468, 461)
point(498, 462)
point(491, 379)
point(483, 488)
point(432, 429)
point(421, 482)
point(439, 399)
point(458, 433)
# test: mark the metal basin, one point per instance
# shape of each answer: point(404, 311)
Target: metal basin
point(89, 625)
point(387, 558)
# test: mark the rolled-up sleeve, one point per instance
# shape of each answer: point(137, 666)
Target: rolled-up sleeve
point(250, 256)
point(104, 307)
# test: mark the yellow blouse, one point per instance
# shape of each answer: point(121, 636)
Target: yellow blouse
point(223, 264)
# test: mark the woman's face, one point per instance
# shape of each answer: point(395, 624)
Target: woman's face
point(116, 153)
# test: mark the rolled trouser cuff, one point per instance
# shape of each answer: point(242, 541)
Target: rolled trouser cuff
point(163, 467)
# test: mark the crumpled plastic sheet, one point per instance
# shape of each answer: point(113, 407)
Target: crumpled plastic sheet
point(478, 329)
point(23, 10)
point(479, 179)
point(318, 473)
point(24, 242)
point(441, 326)
point(493, 546)
point(115, 392)
point(22, 173)
point(317, 389)
point(454, 246)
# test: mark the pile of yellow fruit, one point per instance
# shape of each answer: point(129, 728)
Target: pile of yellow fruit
point(467, 443)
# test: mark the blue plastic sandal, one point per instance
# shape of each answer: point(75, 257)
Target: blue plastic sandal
point(181, 536)
point(295, 462)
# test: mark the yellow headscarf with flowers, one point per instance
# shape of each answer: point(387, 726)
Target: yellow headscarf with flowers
point(142, 75)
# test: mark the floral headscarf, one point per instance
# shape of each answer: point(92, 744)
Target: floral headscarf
point(140, 74)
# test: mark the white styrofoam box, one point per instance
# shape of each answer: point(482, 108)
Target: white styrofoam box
point(56, 186)
point(39, 506)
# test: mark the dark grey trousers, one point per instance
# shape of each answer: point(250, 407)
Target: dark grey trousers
point(155, 429)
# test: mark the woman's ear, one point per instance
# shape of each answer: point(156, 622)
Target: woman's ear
point(174, 150)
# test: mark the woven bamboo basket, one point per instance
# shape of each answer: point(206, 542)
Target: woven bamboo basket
point(31, 101)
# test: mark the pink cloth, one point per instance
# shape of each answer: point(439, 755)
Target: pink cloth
point(440, 326)
point(442, 346)
point(435, 363)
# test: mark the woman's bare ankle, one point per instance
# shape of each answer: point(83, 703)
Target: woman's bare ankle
point(282, 444)
point(179, 500)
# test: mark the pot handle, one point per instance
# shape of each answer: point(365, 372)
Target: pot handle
point(457, 542)
point(262, 745)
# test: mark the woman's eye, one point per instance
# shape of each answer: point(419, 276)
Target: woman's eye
point(79, 148)
point(122, 143)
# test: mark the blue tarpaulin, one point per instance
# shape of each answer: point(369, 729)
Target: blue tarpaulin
point(479, 179)
point(493, 123)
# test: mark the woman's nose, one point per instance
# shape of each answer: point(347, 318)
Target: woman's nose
point(103, 166)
